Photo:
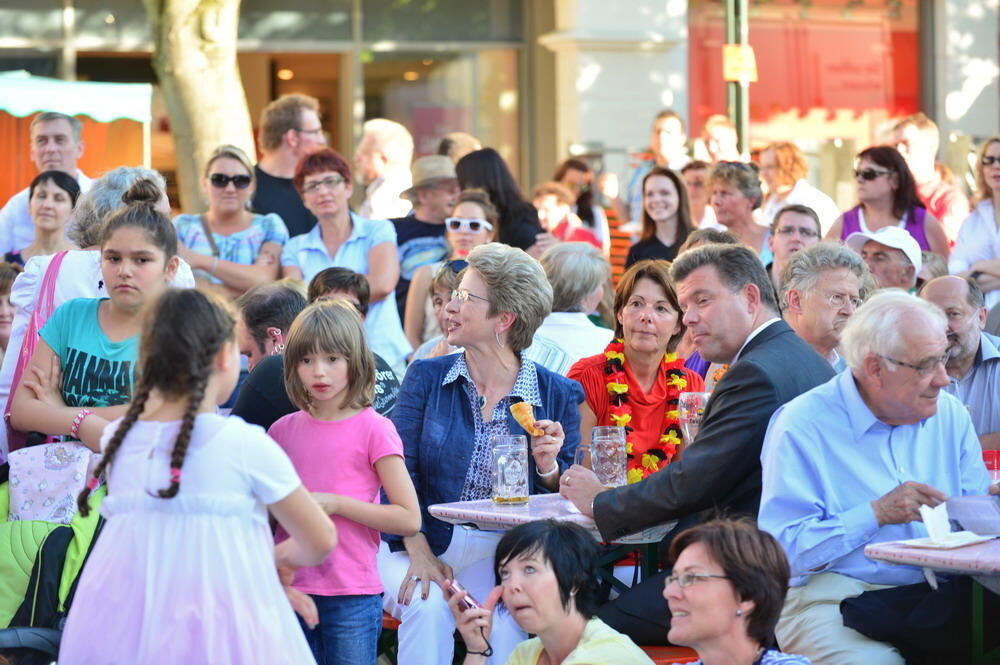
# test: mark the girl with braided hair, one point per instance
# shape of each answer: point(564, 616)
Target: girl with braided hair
point(184, 569)
point(346, 453)
point(80, 374)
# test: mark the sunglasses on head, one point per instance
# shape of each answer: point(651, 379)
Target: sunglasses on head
point(470, 225)
point(990, 160)
point(222, 181)
point(869, 174)
point(456, 265)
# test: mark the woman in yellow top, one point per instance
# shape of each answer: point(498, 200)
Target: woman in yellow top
point(545, 573)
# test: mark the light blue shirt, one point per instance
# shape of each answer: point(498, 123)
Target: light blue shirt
point(979, 389)
point(308, 253)
point(826, 457)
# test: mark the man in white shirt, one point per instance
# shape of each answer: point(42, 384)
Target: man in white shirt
point(382, 162)
point(822, 286)
point(55, 146)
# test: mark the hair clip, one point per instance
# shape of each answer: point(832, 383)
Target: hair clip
point(92, 483)
point(175, 474)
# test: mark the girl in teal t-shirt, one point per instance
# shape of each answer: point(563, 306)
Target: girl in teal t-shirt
point(80, 375)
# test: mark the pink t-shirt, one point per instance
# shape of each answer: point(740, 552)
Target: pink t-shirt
point(339, 457)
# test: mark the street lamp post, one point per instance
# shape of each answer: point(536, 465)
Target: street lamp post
point(738, 92)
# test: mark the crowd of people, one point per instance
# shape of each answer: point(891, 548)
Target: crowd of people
point(263, 400)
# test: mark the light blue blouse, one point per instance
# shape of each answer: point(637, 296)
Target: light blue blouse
point(308, 253)
point(241, 247)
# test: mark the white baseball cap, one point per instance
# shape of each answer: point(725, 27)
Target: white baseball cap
point(890, 236)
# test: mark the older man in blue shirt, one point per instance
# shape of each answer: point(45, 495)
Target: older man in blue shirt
point(850, 462)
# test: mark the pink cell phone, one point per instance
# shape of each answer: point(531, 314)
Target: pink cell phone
point(468, 602)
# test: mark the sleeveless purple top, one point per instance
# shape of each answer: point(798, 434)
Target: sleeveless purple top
point(914, 225)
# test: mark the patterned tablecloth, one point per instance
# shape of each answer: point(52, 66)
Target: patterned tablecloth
point(981, 561)
point(489, 516)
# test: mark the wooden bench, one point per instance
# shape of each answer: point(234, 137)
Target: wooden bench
point(670, 655)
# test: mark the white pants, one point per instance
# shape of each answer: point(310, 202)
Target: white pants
point(426, 631)
point(811, 624)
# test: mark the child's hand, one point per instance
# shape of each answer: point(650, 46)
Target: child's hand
point(329, 502)
point(46, 383)
point(303, 605)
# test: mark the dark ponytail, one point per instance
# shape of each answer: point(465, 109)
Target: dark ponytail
point(176, 359)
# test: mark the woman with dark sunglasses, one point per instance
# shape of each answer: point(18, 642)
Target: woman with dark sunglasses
point(228, 246)
point(887, 196)
point(977, 250)
point(472, 223)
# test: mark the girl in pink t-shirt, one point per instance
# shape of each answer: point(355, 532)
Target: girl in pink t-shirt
point(345, 453)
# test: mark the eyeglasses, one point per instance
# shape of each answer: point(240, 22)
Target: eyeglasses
point(924, 368)
point(990, 160)
point(684, 580)
point(221, 181)
point(467, 225)
point(316, 132)
point(838, 300)
point(869, 174)
point(463, 295)
point(328, 183)
point(792, 230)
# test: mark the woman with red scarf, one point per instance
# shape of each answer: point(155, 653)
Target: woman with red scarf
point(636, 381)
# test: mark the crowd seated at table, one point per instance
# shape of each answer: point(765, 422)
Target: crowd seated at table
point(846, 390)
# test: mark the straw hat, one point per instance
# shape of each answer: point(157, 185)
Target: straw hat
point(429, 171)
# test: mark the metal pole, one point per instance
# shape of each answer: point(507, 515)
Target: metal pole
point(738, 93)
point(67, 55)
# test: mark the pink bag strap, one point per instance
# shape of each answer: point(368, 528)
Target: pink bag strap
point(47, 292)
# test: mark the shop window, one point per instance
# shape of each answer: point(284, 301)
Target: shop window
point(827, 68)
point(441, 20)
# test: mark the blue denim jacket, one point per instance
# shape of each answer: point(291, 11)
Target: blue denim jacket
point(435, 423)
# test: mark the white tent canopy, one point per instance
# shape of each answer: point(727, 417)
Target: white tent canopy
point(22, 94)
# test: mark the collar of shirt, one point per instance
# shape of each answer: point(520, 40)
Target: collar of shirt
point(860, 417)
point(314, 239)
point(525, 385)
point(753, 334)
point(989, 348)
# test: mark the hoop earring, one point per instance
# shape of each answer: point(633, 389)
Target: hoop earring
point(499, 341)
point(278, 349)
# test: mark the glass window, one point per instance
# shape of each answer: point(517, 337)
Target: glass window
point(120, 24)
point(827, 68)
point(441, 20)
point(314, 20)
point(436, 93)
point(31, 19)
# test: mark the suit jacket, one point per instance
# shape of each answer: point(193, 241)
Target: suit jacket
point(721, 469)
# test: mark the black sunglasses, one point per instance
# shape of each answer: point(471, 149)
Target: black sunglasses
point(990, 160)
point(869, 174)
point(221, 181)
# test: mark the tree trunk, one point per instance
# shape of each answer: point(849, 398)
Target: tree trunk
point(194, 55)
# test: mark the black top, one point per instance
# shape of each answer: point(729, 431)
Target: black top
point(520, 226)
point(262, 399)
point(652, 249)
point(14, 257)
point(278, 195)
point(420, 243)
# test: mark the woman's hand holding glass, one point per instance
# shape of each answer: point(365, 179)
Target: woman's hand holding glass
point(474, 623)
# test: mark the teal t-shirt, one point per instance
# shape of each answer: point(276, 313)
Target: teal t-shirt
point(95, 370)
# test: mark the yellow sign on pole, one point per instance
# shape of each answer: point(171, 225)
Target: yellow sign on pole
point(738, 63)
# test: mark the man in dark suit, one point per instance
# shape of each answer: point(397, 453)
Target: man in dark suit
point(729, 308)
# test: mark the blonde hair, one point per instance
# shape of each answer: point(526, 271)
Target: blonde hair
point(330, 326)
point(516, 283)
point(231, 152)
point(983, 191)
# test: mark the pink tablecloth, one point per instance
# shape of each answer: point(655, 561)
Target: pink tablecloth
point(491, 516)
point(981, 559)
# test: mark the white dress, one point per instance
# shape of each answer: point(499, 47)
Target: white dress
point(190, 579)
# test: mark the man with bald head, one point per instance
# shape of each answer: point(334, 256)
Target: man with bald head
point(973, 355)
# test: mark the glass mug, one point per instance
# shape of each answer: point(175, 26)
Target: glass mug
point(510, 468)
point(690, 409)
point(608, 455)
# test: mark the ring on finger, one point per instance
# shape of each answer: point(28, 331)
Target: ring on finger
point(414, 578)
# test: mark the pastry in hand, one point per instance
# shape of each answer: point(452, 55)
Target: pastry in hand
point(524, 414)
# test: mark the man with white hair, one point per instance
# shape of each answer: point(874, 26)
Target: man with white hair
point(382, 162)
point(821, 286)
point(849, 464)
point(55, 146)
point(892, 255)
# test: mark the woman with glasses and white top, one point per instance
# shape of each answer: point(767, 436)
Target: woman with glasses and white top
point(346, 240)
point(977, 250)
point(229, 246)
point(472, 223)
point(887, 196)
